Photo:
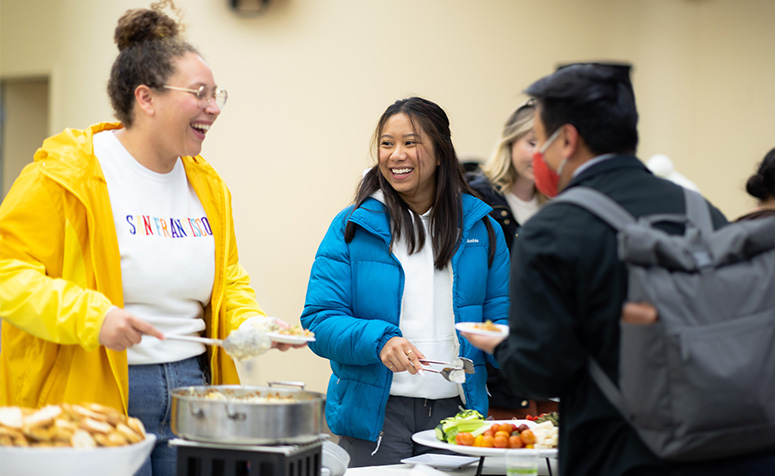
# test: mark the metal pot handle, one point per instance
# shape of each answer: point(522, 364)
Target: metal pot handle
point(234, 415)
point(288, 383)
point(196, 411)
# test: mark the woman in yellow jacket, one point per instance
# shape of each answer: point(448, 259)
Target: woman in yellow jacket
point(118, 235)
point(60, 272)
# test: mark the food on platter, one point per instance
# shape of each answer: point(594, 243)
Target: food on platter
point(546, 435)
point(465, 429)
point(465, 421)
point(487, 325)
point(295, 330)
point(89, 425)
point(290, 335)
point(251, 397)
point(553, 417)
point(428, 438)
point(488, 328)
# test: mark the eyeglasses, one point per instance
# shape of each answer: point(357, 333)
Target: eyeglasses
point(218, 95)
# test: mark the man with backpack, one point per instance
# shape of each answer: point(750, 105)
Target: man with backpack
point(569, 286)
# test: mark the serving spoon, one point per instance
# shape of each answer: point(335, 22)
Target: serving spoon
point(454, 375)
point(241, 344)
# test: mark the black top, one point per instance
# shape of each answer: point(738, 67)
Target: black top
point(567, 291)
point(500, 394)
point(501, 211)
point(755, 215)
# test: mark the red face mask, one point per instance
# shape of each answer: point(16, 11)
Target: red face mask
point(546, 179)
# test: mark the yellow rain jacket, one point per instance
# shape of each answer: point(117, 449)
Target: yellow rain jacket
point(60, 272)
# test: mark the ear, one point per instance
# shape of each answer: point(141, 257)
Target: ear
point(144, 99)
point(571, 140)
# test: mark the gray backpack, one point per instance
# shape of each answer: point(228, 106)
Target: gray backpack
point(699, 383)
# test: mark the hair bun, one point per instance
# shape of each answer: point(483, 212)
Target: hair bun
point(140, 25)
point(761, 185)
point(756, 187)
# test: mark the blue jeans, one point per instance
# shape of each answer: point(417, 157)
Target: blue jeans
point(149, 400)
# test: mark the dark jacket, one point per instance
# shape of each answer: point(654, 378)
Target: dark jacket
point(501, 211)
point(500, 393)
point(567, 291)
point(755, 215)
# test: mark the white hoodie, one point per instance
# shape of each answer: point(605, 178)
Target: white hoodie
point(427, 318)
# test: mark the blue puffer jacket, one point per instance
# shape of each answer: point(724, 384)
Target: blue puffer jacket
point(353, 305)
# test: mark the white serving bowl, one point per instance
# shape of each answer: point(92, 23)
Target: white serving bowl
point(113, 461)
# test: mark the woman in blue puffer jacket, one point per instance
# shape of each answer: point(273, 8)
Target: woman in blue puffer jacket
point(396, 271)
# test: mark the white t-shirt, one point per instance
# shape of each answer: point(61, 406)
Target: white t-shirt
point(427, 319)
point(167, 250)
point(522, 209)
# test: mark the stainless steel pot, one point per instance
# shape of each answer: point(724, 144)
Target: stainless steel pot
point(236, 419)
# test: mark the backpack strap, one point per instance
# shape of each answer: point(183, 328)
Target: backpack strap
point(616, 216)
point(609, 389)
point(598, 204)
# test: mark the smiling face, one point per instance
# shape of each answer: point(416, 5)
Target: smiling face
point(185, 119)
point(407, 162)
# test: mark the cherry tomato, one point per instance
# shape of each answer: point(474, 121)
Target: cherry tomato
point(500, 441)
point(527, 437)
point(502, 433)
point(464, 439)
point(515, 441)
point(487, 441)
point(478, 440)
point(489, 432)
point(513, 427)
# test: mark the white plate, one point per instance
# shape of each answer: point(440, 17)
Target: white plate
point(470, 327)
point(441, 461)
point(428, 438)
point(289, 339)
point(115, 461)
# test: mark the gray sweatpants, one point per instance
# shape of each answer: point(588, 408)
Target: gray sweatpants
point(404, 416)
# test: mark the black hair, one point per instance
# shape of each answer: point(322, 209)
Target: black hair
point(446, 215)
point(597, 99)
point(148, 42)
point(762, 184)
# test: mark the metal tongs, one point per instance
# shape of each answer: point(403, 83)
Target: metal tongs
point(459, 363)
point(455, 372)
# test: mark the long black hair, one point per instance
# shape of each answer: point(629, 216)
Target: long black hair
point(431, 121)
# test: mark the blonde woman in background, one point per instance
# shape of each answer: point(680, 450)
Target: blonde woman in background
point(505, 182)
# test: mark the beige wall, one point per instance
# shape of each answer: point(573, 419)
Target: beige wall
point(309, 78)
point(26, 100)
